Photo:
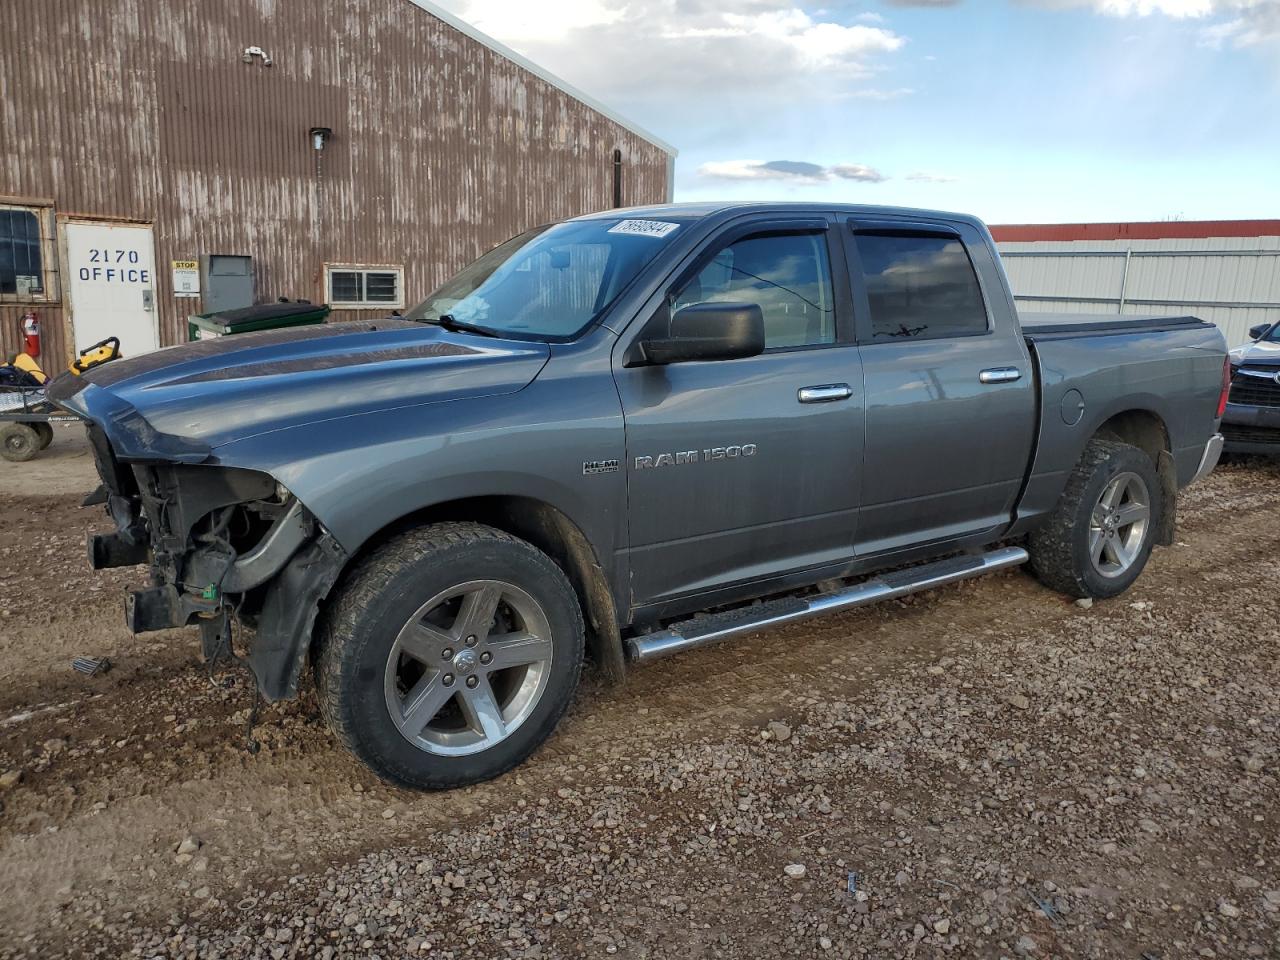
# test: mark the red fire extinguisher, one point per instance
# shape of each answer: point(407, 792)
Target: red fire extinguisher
point(31, 334)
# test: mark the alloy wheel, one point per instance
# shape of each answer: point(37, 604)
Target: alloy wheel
point(1118, 525)
point(468, 668)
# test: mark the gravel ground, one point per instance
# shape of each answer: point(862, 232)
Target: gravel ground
point(989, 770)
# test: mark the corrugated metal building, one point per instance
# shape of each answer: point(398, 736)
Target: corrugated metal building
point(358, 152)
point(1227, 271)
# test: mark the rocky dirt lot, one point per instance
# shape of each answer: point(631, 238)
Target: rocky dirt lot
point(988, 770)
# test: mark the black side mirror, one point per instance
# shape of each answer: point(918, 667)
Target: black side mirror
point(1257, 333)
point(709, 331)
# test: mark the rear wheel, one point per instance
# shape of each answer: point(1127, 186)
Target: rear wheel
point(44, 431)
point(18, 442)
point(1098, 539)
point(450, 655)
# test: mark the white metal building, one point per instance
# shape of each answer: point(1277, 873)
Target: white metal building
point(1227, 271)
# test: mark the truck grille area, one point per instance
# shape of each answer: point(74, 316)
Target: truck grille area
point(1241, 434)
point(1255, 391)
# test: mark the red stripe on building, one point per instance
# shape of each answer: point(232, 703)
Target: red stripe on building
point(1156, 230)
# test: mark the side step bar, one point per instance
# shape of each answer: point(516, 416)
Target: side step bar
point(721, 626)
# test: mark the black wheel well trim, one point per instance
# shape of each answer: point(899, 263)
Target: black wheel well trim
point(553, 532)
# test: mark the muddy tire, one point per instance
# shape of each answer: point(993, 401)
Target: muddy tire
point(44, 431)
point(1098, 539)
point(449, 655)
point(18, 442)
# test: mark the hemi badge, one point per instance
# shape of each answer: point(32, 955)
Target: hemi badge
point(599, 466)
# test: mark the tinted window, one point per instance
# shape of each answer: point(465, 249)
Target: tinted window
point(920, 287)
point(788, 275)
point(21, 271)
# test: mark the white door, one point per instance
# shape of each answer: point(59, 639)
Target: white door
point(111, 278)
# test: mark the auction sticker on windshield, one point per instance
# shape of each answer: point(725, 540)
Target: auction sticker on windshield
point(645, 228)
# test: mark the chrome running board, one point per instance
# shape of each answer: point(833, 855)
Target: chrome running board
point(721, 626)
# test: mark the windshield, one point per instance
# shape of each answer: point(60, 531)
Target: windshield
point(1272, 335)
point(549, 283)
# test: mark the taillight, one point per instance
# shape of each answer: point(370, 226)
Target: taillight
point(1226, 387)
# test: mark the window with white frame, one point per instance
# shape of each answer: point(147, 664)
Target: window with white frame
point(353, 286)
point(26, 248)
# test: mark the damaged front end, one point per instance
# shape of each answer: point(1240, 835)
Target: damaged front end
point(223, 543)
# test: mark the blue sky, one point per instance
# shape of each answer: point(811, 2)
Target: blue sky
point(1040, 110)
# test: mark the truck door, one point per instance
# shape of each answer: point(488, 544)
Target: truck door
point(950, 402)
point(740, 470)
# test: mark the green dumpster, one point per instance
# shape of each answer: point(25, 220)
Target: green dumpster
point(264, 316)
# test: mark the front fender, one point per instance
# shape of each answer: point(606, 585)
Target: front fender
point(359, 474)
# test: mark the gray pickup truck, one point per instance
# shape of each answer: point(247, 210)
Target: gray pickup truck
point(624, 436)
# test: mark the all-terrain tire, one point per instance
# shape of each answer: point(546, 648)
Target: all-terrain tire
point(18, 442)
point(1060, 547)
point(385, 593)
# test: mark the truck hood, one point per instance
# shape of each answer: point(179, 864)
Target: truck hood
point(184, 402)
point(1258, 353)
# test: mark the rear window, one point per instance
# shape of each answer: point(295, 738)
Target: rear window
point(920, 287)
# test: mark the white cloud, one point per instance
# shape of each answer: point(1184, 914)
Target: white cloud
point(536, 21)
point(1144, 8)
point(788, 171)
point(921, 176)
point(1255, 24)
point(1239, 23)
point(857, 171)
point(628, 52)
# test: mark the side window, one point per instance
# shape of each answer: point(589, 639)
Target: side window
point(920, 287)
point(788, 275)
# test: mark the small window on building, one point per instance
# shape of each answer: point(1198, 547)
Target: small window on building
point(920, 287)
point(365, 287)
point(22, 254)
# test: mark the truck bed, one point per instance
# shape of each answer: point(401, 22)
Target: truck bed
point(1054, 326)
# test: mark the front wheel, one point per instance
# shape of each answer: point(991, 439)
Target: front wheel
point(449, 655)
point(1099, 537)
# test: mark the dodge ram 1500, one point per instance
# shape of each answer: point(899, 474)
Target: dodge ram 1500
point(627, 435)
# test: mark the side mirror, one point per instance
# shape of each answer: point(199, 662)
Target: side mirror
point(709, 331)
point(1257, 333)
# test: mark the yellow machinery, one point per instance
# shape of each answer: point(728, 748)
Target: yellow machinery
point(26, 414)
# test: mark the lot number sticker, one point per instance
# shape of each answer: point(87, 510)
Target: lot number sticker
point(645, 228)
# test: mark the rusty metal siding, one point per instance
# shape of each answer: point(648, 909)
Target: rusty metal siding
point(441, 147)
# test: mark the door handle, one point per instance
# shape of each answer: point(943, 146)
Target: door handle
point(825, 393)
point(1000, 375)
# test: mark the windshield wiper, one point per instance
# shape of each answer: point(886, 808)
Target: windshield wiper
point(450, 323)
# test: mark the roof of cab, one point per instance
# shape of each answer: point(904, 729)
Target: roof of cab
point(700, 209)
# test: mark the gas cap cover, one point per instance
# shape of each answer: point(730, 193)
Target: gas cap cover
point(1072, 407)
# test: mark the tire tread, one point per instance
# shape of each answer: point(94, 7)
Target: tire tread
point(1051, 545)
point(337, 635)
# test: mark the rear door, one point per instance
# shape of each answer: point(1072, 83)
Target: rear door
point(947, 380)
point(742, 470)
